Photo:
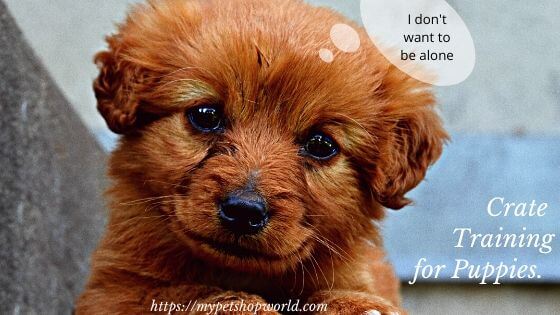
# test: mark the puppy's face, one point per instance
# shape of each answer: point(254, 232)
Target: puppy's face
point(261, 153)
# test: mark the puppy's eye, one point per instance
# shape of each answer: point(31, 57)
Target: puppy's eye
point(320, 146)
point(206, 118)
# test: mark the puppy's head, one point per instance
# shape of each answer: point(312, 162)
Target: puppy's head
point(263, 153)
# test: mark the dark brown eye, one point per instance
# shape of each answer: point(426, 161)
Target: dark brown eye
point(206, 118)
point(320, 147)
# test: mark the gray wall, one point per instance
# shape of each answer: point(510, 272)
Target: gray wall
point(51, 179)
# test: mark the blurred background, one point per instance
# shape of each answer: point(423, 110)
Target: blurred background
point(503, 119)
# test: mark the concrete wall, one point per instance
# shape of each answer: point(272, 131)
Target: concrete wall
point(51, 179)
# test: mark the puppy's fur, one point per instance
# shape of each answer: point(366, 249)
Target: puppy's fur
point(259, 60)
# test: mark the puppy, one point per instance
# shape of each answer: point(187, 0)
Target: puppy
point(249, 170)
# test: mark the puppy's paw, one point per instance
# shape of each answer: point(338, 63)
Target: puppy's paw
point(237, 303)
point(355, 303)
point(376, 312)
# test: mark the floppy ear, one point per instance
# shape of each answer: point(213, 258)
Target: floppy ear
point(414, 138)
point(114, 89)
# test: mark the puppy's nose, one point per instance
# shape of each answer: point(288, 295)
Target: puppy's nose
point(243, 213)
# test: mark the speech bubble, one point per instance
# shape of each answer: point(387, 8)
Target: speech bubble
point(427, 39)
point(345, 38)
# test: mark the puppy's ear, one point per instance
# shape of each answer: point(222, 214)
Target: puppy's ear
point(414, 138)
point(114, 89)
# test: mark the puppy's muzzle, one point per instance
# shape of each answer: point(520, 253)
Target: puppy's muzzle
point(243, 212)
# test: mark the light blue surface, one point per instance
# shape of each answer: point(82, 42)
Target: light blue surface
point(472, 171)
point(107, 139)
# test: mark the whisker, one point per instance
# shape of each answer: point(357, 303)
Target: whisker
point(144, 200)
point(175, 185)
point(143, 217)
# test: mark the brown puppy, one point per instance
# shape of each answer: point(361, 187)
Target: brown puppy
point(249, 169)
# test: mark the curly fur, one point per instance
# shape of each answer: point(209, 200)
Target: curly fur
point(260, 60)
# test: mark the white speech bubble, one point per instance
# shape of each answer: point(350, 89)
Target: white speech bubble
point(345, 38)
point(435, 30)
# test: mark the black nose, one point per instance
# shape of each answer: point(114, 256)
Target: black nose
point(243, 213)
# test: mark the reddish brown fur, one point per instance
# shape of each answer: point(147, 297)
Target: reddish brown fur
point(259, 59)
